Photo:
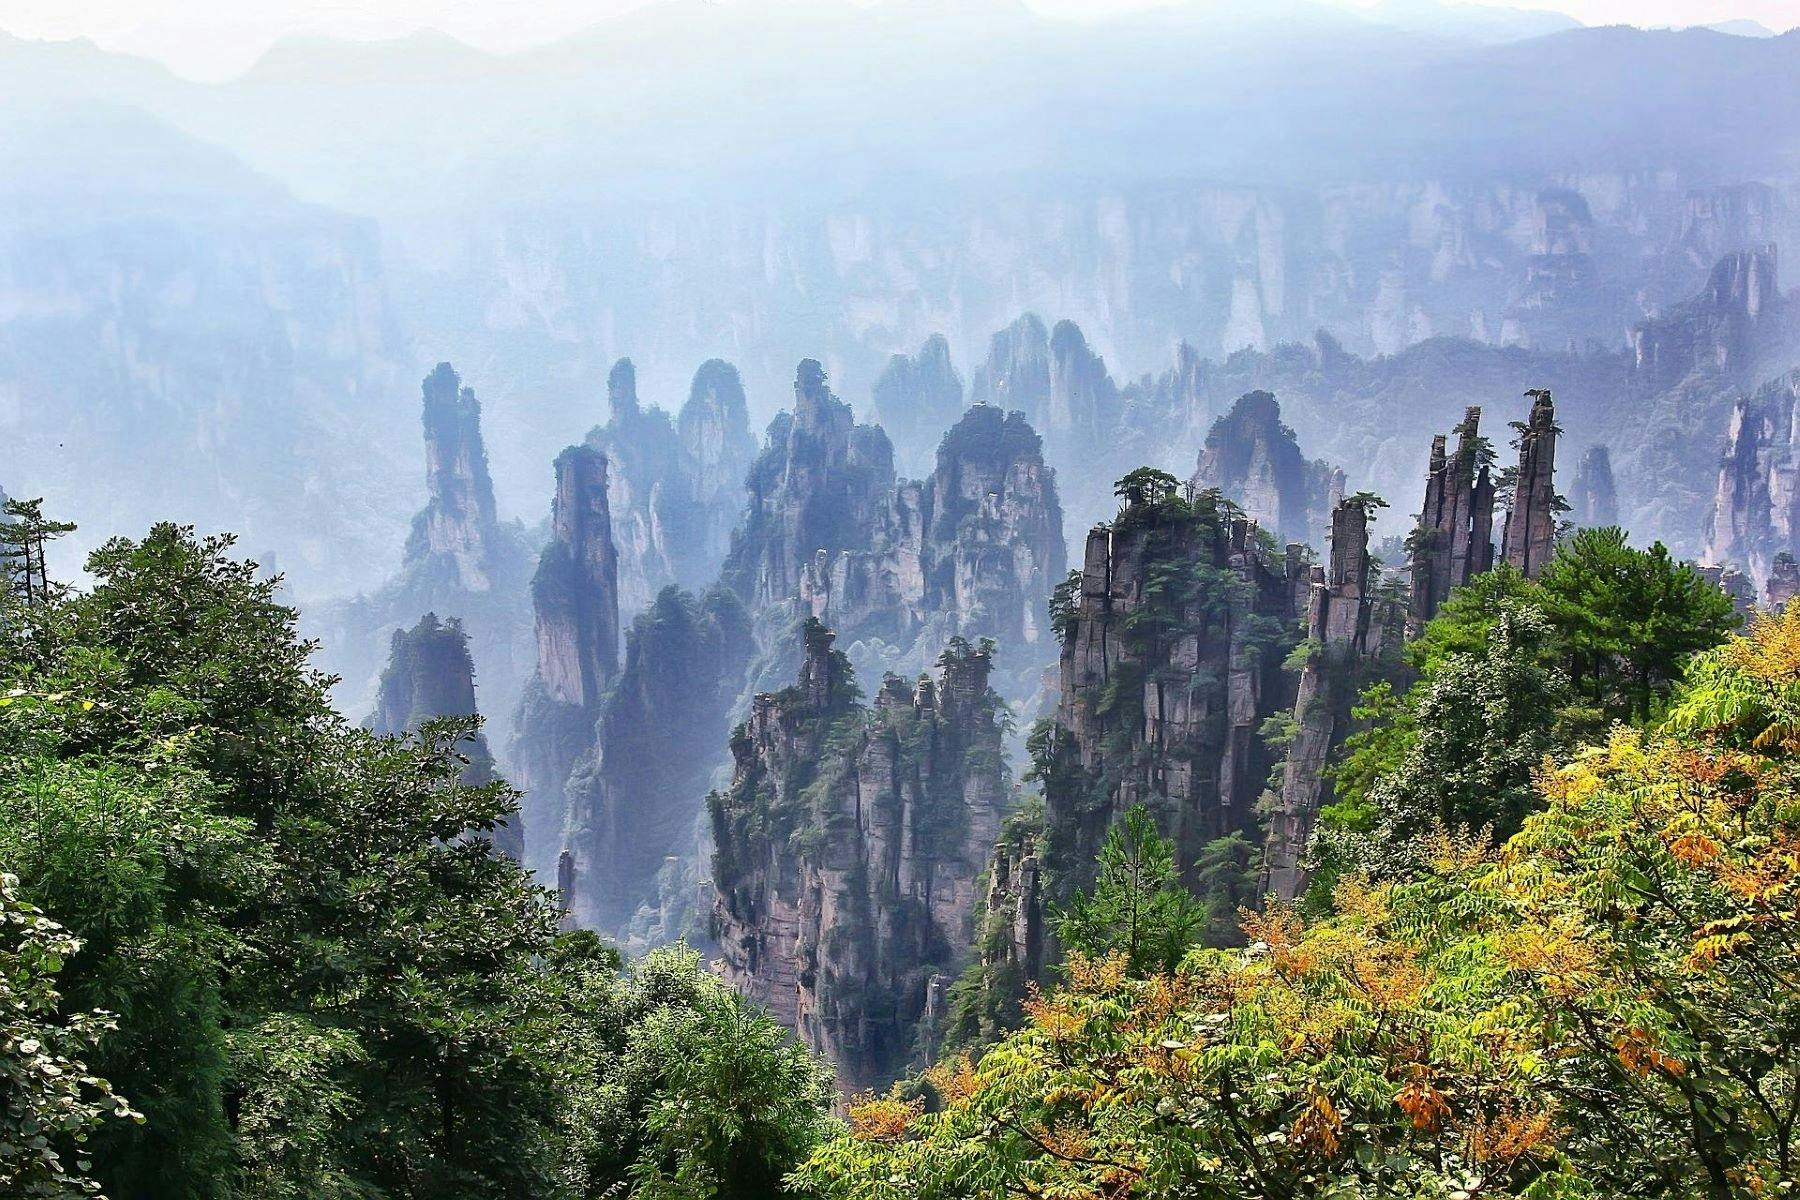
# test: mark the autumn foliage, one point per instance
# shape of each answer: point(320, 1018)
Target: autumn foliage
point(1606, 1005)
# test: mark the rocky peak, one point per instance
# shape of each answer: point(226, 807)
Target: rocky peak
point(1453, 542)
point(1254, 460)
point(1593, 500)
point(715, 434)
point(430, 675)
point(1756, 504)
point(1172, 647)
point(635, 801)
point(848, 847)
point(1083, 402)
point(1529, 537)
point(820, 483)
point(1727, 330)
point(1347, 627)
point(459, 519)
point(576, 587)
point(1016, 374)
point(621, 388)
point(575, 597)
point(916, 398)
point(971, 551)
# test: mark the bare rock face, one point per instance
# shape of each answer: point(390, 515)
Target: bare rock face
point(576, 588)
point(848, 848)
point(1725, 330)
point(646, 492)
point(1083, 404)
point(458, 522)
point(1347, 626)
point(430, 675)
point(972, 551)
point(1735, 584)
point(1756, 504)
point(1784, 582)
point(1172, 648)
point(1529, 538)
point(915, 399)
point(1593, 500)
point(821, 483)
point(575, 597)
point(1454, 539)
point(717, 450)
point(1016, 374)
point(1252, 459)
point(635, 800)
point(674, 487)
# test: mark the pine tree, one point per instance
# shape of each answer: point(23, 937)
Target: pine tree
point(24, 534)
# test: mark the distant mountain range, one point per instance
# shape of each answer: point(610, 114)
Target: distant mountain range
point(248, 278)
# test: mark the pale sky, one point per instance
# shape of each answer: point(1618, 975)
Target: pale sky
point(217, 38)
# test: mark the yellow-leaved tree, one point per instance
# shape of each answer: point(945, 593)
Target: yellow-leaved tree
point(1607, 1005)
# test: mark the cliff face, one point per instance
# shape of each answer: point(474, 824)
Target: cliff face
point(718, 450)
point(1016, 373)
point(1529, 537)
point(674, 487)
point(848, 847)
point(458, 521)
point(1725, 330)
point(915, 398)
point(973, 550)
point(460, 560)
point(1255, 462)
point(1593, 500)
point(635, 801)
point(1756, 504)
point(1453, 542)
point(1172, 649)
point(1347, 627)
point(1065, 392)
point(820, 484)
point(575, 598)
point(430, 675)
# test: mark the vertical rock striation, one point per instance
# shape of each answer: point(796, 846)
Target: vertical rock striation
point(1724, 331)
point(820, 484)
point(972, 551)
point(1756, 503)
point(675, 487)
point(1593, 500)
point(458, 522)
point(431, 675)
point(717, 450)
point(460, 560)
point(848, 846)
point(1254, 461)
point(575, 598)
point(1529, 538)
point(1454, 539)
point(1347, 626)
point(635, 801)
point(1172, 649)
point(1016, 373)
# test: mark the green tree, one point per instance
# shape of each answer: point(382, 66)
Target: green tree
point(53, 1102)
point(25, 536)
point(327, 985)
point(1138, 907)
point(1628, 620)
